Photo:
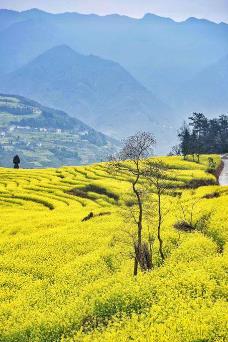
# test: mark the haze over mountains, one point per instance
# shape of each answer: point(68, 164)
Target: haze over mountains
point(207, 90)
point(148, 72)
point(98, 91)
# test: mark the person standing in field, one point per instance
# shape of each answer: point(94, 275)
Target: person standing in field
point(16, 161)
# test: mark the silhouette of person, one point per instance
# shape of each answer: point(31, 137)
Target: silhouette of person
point(16, 161)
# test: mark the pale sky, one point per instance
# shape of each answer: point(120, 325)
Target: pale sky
point(215, 10)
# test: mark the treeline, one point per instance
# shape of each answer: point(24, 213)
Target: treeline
point(203, 136)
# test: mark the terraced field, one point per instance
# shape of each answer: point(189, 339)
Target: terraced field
point(64, 278)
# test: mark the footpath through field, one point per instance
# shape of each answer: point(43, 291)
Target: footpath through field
point(223, 179)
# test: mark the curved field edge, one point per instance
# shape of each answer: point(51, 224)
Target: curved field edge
point(62, 279)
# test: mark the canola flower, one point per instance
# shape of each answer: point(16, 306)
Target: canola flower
point(62, 279)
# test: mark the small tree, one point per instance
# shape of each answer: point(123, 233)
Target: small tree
point(16, 162)
point(175, 151)
point(185, 140)
point(156, 175)
point(211, 165)
point(131, 160)
point(193, 144)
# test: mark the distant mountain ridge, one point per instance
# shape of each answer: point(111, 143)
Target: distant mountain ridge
point(14, 15)
point(160, 54)
point(150, 48)
point(97, 91)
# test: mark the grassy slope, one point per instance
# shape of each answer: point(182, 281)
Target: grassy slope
point(76, 144)
point(62, 278)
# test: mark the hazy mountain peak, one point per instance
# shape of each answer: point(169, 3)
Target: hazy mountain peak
point(62, 48)
point(193, 20)
point(69, 57)
point(96, 90)
point(7, 11)
point(57, 57)
point(35, 11)
point(156, 18)
point(35, 14)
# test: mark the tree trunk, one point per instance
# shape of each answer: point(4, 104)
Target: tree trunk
point(143, 258)
point(198, 158)
point(146, 257)
point(135, 266)
point(138, 247)
point(159, 228)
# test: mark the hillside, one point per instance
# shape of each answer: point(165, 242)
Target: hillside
point(64, 279)
point(97, 91)
point(44, 136)
point(159, 52)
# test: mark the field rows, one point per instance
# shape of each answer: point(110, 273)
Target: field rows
point(65, 279)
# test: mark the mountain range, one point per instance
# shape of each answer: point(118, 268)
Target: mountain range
point(116, 73)
point(97, 91)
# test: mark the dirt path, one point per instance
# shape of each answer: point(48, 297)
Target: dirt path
point(223, 179)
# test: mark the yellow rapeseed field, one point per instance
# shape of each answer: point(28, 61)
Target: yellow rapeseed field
point(65, 279)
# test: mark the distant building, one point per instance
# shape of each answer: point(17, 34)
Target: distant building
point(23, 127)
point(12, 128)
point(83, 133)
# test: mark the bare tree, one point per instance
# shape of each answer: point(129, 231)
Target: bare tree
point(157, 178)
point(131, 161)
